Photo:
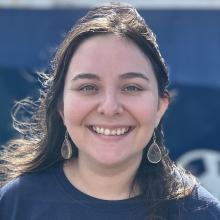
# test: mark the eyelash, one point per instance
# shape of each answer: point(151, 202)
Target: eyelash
point(84, 88)
point(135, 88)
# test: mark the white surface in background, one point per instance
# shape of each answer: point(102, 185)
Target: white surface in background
point(163, 4)
point(210, 178)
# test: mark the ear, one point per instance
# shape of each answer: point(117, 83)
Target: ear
point(162, 107)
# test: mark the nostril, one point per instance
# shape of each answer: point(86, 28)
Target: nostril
point(110, 108)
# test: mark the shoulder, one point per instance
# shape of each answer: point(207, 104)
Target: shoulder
point(22, 186)
point(200, 197)
point(28, 196)
point(200, 205)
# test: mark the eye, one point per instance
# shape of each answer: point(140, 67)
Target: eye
point(132, 88)
point(88, 88)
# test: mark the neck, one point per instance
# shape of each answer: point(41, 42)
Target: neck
point(109, 183)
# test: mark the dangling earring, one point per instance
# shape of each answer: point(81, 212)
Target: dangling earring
point(66, 149)
point(154, 153)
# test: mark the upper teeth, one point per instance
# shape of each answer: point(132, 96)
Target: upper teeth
point(108, 131)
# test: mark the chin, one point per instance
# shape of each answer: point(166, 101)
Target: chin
point(115, 161)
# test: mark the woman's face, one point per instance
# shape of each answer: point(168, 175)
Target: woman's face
point(110, 103)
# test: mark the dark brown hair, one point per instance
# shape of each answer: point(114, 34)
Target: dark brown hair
point(43, 134)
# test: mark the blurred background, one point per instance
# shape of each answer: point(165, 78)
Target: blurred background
point(188, 32)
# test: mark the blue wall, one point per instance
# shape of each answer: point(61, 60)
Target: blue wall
point(189, 41)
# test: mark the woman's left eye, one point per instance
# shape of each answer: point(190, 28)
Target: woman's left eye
point(132, 88)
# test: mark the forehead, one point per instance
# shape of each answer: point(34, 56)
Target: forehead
point(114, 44)
point(108, 53)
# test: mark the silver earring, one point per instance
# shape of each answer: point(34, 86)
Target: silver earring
point(66, 149)
point(154, 153)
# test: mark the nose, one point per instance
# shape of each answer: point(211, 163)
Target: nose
point(110, 104)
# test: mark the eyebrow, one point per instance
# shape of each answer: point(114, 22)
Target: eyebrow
point(86, 76)
point(128, 75)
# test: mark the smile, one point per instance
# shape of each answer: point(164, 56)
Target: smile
point(109, 131)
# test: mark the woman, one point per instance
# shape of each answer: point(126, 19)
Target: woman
point(94, 146)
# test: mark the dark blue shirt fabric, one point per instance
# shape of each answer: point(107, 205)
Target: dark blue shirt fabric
point(48, 195)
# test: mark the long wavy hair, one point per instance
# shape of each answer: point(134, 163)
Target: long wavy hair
point(42, 129)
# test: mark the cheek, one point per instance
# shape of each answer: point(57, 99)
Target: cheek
point(144, 110)
point(75, 110)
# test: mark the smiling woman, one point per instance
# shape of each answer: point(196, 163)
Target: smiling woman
point(118, 106)
point(94, 149)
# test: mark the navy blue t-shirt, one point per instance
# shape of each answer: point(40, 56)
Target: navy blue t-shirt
point(48, 195)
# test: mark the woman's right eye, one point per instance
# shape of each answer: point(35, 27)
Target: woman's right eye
point(88, 89)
